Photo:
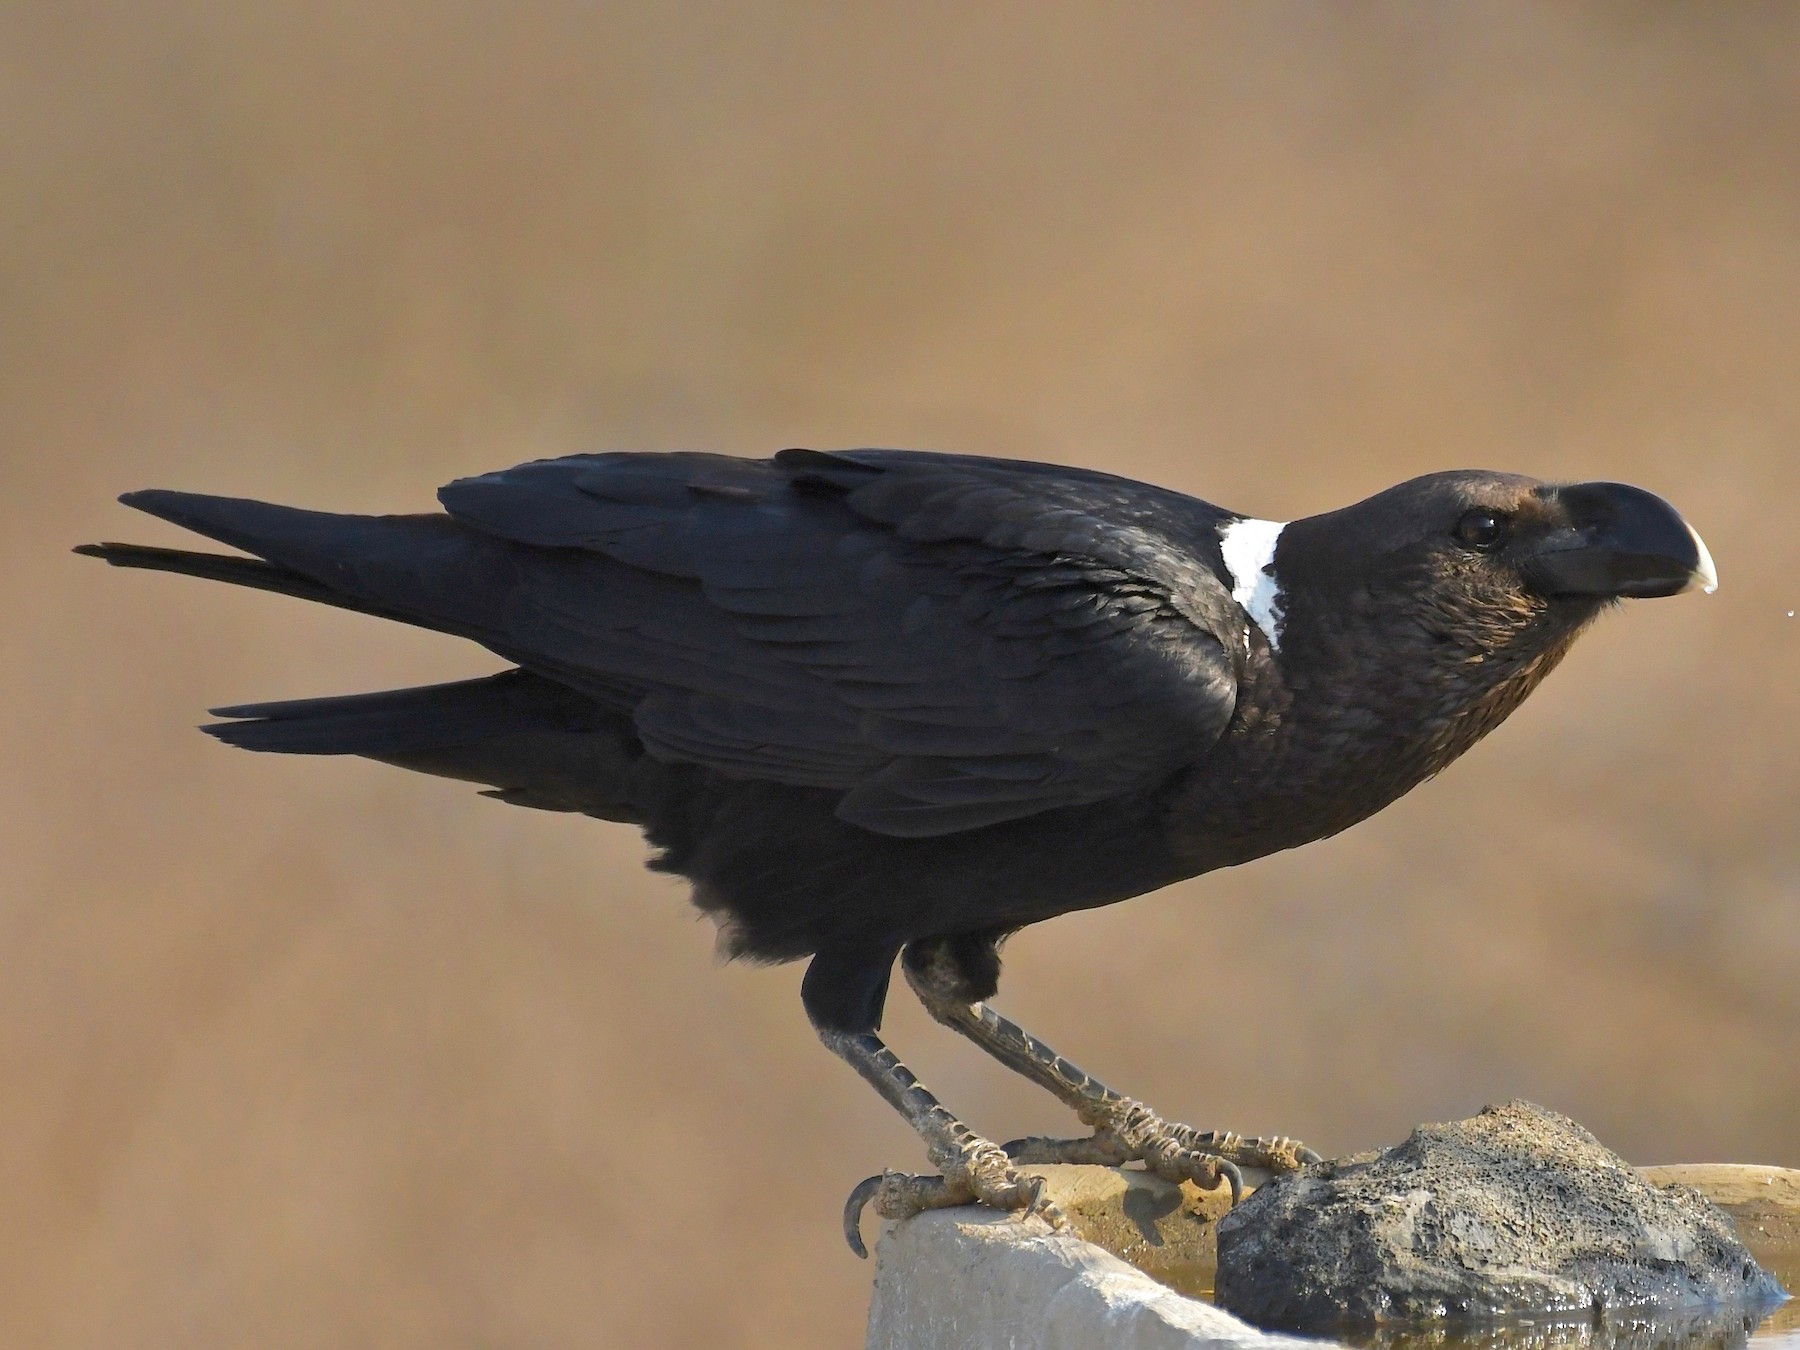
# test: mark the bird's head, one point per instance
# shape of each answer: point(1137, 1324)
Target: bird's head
point(1404, 628)
point(1477, 560)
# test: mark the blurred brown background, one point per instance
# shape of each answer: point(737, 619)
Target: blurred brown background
point(317, 1053)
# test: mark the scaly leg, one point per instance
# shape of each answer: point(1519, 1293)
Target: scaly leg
point(973, 1168)
point(952, 975)
point(844, 993)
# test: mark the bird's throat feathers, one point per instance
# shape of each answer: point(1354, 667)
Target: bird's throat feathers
point(1369, 693)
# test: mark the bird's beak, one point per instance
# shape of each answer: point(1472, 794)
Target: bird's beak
point(1619, 541)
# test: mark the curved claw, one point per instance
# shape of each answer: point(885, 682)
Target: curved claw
point(1208, 1170)
point(899, 1195)
point(1047, 1210)
point(1308, 1156)
point(865, 1191)
point(1229, 1171)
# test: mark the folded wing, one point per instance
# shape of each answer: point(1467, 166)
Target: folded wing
point(947, 642)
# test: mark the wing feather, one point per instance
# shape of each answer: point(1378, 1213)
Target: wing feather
point(949, 642)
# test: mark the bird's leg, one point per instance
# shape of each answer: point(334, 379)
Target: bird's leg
point(844, 992)
point(973, 1168)
point(1125, 1130)
point(952, 975)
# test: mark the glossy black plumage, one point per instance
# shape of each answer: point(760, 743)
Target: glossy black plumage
point(869, 698)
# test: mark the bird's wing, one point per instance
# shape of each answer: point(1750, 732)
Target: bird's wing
point(950, 642)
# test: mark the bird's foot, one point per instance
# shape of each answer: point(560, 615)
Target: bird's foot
point(1128, 1131)
point(1273, 1153)
point(975, 1171)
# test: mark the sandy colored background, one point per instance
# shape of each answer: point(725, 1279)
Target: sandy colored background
point(317, 1053)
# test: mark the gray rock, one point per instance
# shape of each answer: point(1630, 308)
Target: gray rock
point(1516, 1211)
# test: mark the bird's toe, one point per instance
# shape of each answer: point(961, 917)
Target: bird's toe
point(981, 1173)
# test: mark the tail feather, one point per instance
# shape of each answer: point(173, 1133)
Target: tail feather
point(530, 740)
point(251, 572)
point(290, 536)
point(395, 721)
point(420, 569)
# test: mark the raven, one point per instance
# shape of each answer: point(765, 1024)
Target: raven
point(880, 704)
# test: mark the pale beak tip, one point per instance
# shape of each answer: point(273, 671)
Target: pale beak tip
point(1706, 576)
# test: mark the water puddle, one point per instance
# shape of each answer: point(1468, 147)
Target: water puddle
point(1776, 1327)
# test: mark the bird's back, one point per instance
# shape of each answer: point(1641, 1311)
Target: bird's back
point(797, 674)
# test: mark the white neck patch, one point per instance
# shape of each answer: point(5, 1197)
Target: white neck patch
point(1249, 549)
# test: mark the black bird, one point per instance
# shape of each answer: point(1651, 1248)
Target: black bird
point(879, 704)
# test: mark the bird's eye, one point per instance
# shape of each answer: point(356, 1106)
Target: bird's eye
point(1481, 529)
